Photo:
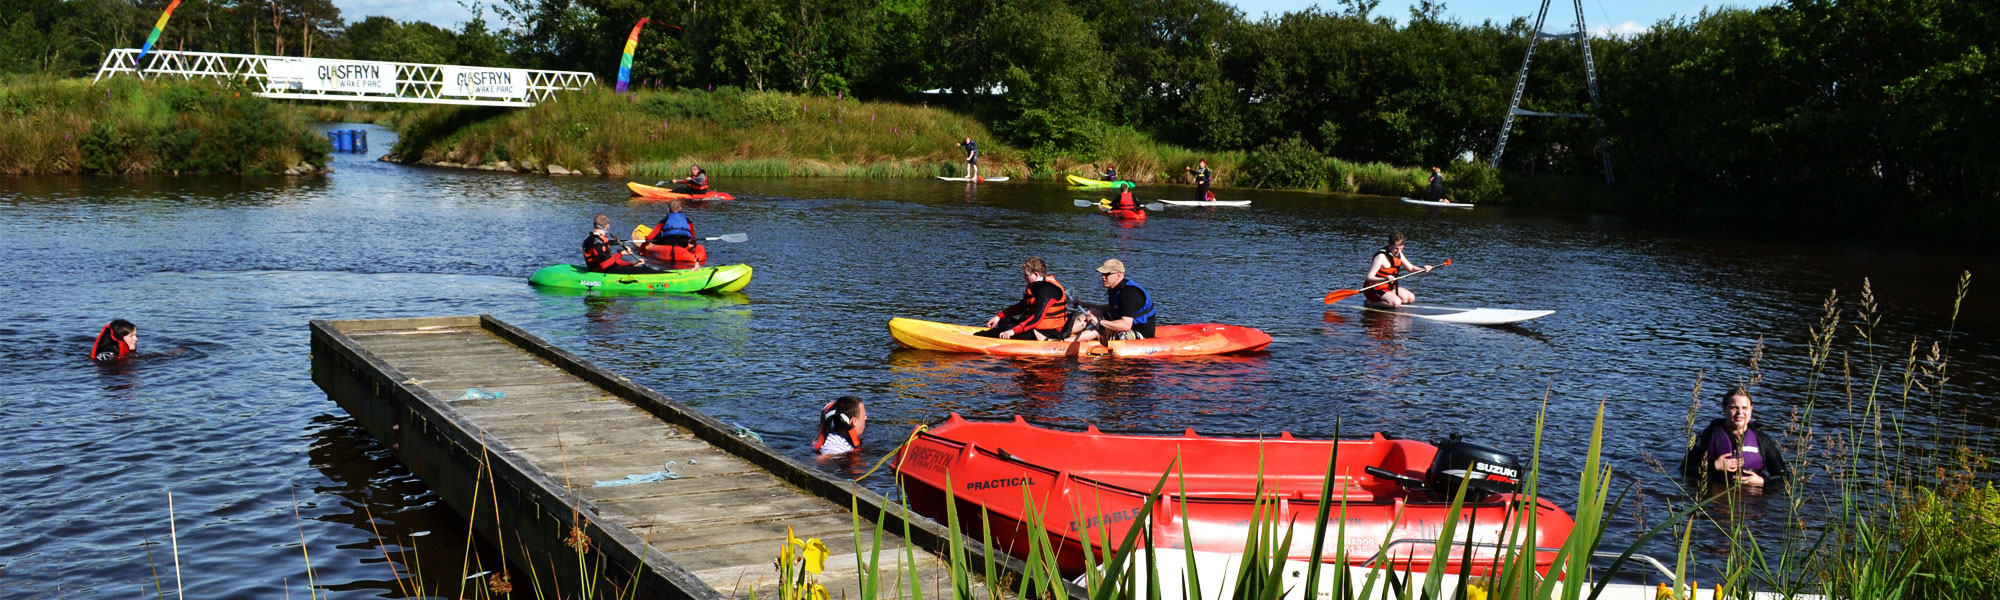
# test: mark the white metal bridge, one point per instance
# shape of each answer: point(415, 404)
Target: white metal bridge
point(353, 80)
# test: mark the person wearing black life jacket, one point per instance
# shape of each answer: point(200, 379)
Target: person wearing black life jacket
point(1127, 313)
point(1202, 177)
point(840, 424)
point(1436, 193)
point(116, 340)
point(1735, 449)
point(1042, 313)
point(605, 254)
point(1389, 264)
point(971, 157)
point(695, 183)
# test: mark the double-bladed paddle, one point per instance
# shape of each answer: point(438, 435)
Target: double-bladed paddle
point(1338, 295)
point(643, 232)
point(1103, 202)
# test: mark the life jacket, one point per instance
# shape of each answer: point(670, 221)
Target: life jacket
point(1056, 315)
point(699, 182)
point(831, 421)
point(1145, 312)
point(674, 224)
point(119, 349)
point(1202, 175)
point(1125, 201)
point(1396, 266)
point(600, 252)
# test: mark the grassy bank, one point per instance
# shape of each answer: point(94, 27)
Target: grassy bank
point(657, 134)
point(127, 126)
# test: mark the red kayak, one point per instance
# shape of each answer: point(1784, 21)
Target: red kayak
point(678, 257)
point(659, 193)
point(1097, 482)
point(1131, 214)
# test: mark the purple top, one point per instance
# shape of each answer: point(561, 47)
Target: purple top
point(1719, 444)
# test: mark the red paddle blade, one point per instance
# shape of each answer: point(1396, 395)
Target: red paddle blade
point(1338, 295)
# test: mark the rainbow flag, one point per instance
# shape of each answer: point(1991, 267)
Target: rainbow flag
point(162, 25)
point(624, 64)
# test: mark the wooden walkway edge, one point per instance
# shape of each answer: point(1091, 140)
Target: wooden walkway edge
point(530, 459)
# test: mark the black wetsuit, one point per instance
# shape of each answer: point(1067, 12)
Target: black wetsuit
point(1437, 188)
point(1201, 178)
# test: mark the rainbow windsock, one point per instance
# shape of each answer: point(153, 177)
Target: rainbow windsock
point(161, 26)
point(624, 64)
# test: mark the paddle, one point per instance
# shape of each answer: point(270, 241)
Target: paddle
point(644, 231)
point(1338, 295)
point(1104, 203)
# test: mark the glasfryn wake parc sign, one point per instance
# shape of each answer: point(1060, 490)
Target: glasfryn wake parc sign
point(480, 82)
point(370, 77)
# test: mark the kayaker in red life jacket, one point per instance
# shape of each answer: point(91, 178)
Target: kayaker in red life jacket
point(1389, 264)
point(1126, 314)
point(695, 183)
point(840, 424)
point(1125, 201)
point(116, 340)
point(605, 254)
point(1042, 313)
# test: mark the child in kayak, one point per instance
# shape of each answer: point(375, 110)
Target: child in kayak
point(605, 254)
point(1042, 313)
point(1387, 265)
point(696, 183)
point(840, 424)
point(673, 239)
point(116, 340)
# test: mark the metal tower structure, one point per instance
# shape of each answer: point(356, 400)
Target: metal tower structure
point(1514, 109)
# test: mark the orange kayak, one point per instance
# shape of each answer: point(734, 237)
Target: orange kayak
point(1095, 484)
point(659, 193)
point(1170, 340)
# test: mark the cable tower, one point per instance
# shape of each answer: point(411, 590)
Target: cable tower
point(1582, 36)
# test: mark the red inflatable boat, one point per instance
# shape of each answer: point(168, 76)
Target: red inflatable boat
point(1098, 482)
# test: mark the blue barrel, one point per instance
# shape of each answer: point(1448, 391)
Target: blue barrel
point(342, 141)
point(360, 140)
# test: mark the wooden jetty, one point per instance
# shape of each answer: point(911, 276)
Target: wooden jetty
point(532, 458)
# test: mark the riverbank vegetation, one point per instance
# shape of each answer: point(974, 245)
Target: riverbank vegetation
point(126, 126)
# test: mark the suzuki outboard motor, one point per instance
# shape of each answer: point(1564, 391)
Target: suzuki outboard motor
point(1487, 470)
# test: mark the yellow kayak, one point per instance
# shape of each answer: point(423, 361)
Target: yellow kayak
point(1098, 183)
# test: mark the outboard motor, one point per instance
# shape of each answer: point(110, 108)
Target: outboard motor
point(1489, 471)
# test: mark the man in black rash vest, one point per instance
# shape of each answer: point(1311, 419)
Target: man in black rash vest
point(1042, 313)
point(1436, 193)
point(1126, 314)
point(605, 254)
point(1202, 177)
point(840, 425)
point(971, 158)
point(116, 340)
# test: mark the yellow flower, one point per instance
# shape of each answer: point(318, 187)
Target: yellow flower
point(815, 555)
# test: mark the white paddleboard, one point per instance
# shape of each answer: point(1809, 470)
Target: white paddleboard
point(1437, 204)
point(1205, 202)
point(971, 179)
point(1467, 316)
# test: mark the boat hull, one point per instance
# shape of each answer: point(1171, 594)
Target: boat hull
point(1172, 340)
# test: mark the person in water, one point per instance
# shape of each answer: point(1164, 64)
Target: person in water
point(605, 254)
point(116, 340)
point(1387, 266)
point(1126, 314)
point(1042, 313)
point(840, 424)
point(971, 157)
point(1436, 193)
point(695, 183)
point(1735, 448)
point(1202, 177)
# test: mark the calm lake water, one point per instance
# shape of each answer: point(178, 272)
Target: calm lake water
point(222, 275)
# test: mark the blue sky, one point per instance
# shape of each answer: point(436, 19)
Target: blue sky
point(1602, 15)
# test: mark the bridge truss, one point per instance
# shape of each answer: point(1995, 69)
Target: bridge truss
point(353, 80)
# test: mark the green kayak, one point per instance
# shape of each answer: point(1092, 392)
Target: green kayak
point(1098, 183)
point(726, 278)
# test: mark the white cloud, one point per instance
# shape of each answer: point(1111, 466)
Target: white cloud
point(1627, 29)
